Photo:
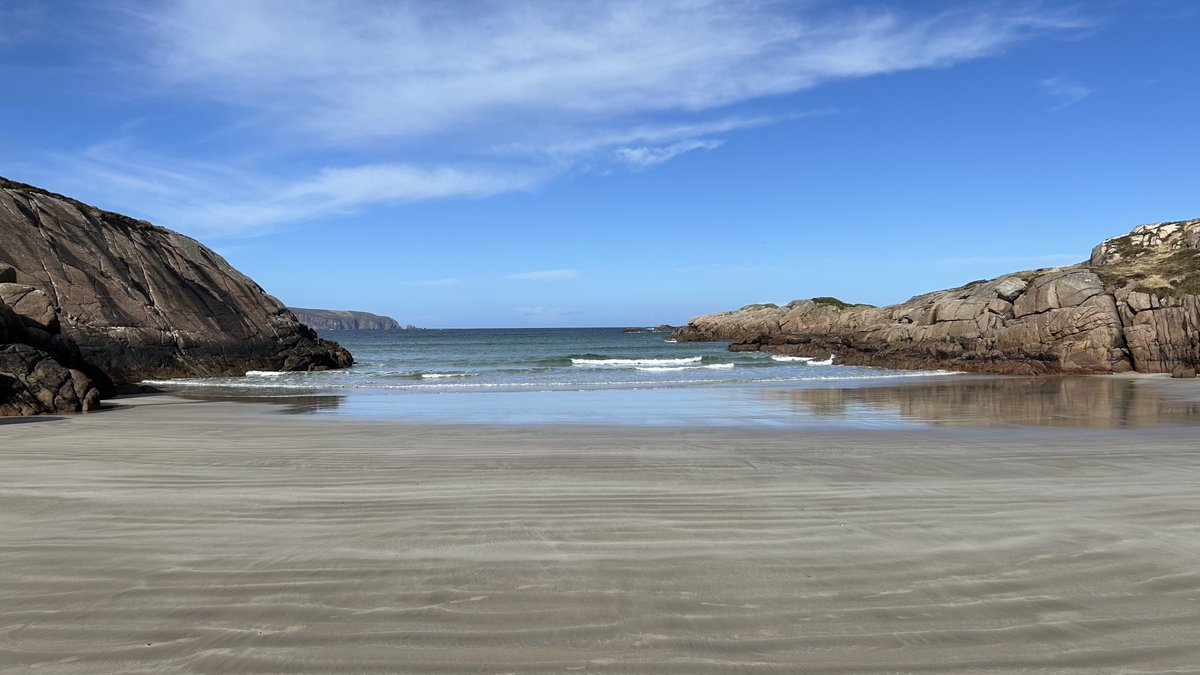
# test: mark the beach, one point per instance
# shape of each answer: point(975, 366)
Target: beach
point(172, 535)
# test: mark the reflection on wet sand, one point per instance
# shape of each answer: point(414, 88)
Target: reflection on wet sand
point(1084, 402)
point(293, 405)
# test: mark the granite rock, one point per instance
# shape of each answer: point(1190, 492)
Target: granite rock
point(141, 301)
point(1133, 306)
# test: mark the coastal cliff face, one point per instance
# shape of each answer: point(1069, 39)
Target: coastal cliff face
point(140, 301)
point(1135, 305)
point(337, 319)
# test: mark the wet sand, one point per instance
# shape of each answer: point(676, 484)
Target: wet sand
point(176, 536)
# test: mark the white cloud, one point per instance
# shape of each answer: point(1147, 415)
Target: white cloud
point(336, 106)
point(1066, 91)
point(355, 71)
point(544, 275)
point(643, 157)
point(213, 199)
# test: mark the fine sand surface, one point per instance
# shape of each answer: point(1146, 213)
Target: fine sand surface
point(213, 537)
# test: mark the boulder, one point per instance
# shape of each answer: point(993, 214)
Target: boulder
point(41, 371)
point(32, 305)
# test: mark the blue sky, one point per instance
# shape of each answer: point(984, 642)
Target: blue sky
point(611, 163)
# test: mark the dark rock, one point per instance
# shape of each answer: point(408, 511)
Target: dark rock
point(41, 370)
point(141, 301)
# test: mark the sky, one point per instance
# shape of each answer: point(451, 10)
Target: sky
point(511, 164)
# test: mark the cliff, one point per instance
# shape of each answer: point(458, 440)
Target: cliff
point(1134, 305)
point(337, 319)
point(139, 301)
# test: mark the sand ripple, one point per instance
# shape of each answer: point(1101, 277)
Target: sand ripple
point(212, 538)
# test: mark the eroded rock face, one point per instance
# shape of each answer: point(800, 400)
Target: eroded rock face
point(41, 371)
point(1132, 307)
point(142, 301)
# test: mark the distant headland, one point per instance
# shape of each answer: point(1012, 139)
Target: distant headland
point(342, 319)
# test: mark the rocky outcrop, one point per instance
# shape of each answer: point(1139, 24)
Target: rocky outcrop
point(338, 319)
point(41, 371)
point(1135, 305)
point(141, 301)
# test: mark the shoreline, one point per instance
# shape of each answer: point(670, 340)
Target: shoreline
point(183, 536)
point(961, 400)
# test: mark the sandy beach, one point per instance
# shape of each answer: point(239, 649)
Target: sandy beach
point(178, 536)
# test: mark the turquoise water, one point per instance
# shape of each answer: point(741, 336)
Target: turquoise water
point(568, 376)
point(438, 361)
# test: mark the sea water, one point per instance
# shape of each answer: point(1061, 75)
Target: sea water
point(567, 376)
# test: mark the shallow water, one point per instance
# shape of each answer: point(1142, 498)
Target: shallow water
point(606, 376)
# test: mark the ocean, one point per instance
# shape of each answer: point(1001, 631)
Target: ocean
point(553, 375)
point(585, 376)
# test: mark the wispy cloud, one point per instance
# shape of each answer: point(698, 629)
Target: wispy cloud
point(374, 69)
point(335, 107)
point(645, 156)
point(544, 275)
point(222, 199)
point(1066, 92)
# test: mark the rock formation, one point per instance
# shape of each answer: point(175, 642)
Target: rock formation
point(138, 301)
point(41, 371)
point(1135, 305)
point(338, 319)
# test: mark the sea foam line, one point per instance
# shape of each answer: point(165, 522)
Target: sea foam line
point(799, 359)
point(672, 369)
point(635, 362)
point(312, 386)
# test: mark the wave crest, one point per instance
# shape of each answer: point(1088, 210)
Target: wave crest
point(634, 362)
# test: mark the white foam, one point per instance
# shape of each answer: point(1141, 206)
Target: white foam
point(438, 376)
point(672, 369)
point(265, 373)
point(826, 362)
point(670, 340)
point(800, 359)
point(635, 362)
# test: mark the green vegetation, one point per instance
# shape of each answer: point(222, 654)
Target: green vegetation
point(1169, 276)
point(831, 301)
point(760, 305)
point(1124, 247)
